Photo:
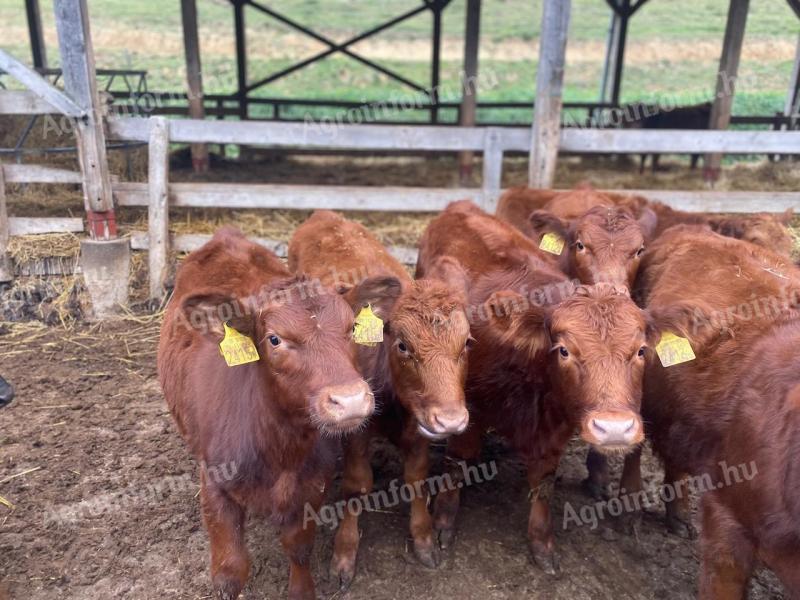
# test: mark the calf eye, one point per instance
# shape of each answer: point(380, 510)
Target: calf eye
point(640, 251)
point(642, 350)
point(401, 347)
point(274, 340)
point(469, 343)
point(564, 352)
point(579, 245)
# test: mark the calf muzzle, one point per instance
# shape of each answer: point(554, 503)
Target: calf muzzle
point(613, 431)
point(345, 407)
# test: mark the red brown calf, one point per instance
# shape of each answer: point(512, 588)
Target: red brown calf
point(417, 372)
point(548, 359)
point(273, 422)
point(603, 241)
point(732, 415)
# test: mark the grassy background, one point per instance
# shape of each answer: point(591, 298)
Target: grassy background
point(672, 54)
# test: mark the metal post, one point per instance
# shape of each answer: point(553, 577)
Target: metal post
point(436, 8)
point(36, 35)
point(546, 129)
point(469, 85)
point(619, 60)
point(241, 57)
point(726, 79)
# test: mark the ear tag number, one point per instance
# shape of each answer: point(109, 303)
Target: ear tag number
point(674, 350)
point(368, 327)
point(237, 348)
point(552, 243)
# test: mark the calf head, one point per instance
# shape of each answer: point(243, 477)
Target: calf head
point(594, 344)
point(764, 229)
point(426, 338)
point(307, 361)
point(604, 245)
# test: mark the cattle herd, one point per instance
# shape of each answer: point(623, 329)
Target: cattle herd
point(581, 312)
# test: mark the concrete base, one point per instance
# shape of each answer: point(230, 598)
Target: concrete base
point(6, 269)
point(106, 268)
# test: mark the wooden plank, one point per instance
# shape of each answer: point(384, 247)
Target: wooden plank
point(6, 268)
point(39, 85)
point(309, 135)
point(158, 206)
point(679, 141)
point(188, 242)
point(722, 201)
point(80, 82)
point(469, 84)
point(726, 79)
point(299, 197)
point(39, 174)
point(36, 33)
point(549, 83)
point(24, 102)
point(492, 169)
point(194, 78)
point(36, 225)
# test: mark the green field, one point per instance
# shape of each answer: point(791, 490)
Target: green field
point(673, 48)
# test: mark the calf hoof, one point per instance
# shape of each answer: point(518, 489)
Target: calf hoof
point(631, 524)
point(342, 572)
point(6, 392)
point(446, 538)
point(682, 527)
point(227, 588)
point(597, 491)
point(545, 559)
point(427, 553)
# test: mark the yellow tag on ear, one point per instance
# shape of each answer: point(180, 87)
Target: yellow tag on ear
point(552, 243)
point(674, 350)
point(237, 348)
point(369, 327)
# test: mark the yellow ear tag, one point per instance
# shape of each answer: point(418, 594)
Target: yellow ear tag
point(237, 348)
point(368, 327)
point(552, 243)
point(674, 350)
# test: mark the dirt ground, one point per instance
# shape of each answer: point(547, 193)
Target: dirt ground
point(90, 424)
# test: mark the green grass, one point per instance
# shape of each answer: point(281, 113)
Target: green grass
point(676, 24)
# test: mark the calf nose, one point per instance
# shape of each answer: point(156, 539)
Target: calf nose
point(622, 429)
point(346, 404)
point(449, 423)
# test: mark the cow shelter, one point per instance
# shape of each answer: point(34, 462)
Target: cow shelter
point(131, 134)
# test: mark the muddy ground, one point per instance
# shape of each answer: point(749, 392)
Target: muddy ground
point(90, 424)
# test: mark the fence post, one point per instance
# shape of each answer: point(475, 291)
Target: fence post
point(492, 168)
point(6, 268)
point(469, 84)
point(194, 79)
point(549, 83)
point(158, 207)
point(726, 80)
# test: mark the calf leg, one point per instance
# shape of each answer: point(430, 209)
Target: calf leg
point(727, 557)
point(541, 479)
point(679, 509)
point(654, 164)
point(464, 447)
point(642, 161)
point(630, 484)
point(357, 480)
point(416, 465)
point(224, 521)
point(297, 539)
point(596, 484)
point(695, 160)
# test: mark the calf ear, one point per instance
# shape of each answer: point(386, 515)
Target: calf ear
point(699, 323)
point(648, 220)
point(207, 311)
point(786, 217)
point(380, 292)
point(450, 271)
point(515, 321)
point(543, 221)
